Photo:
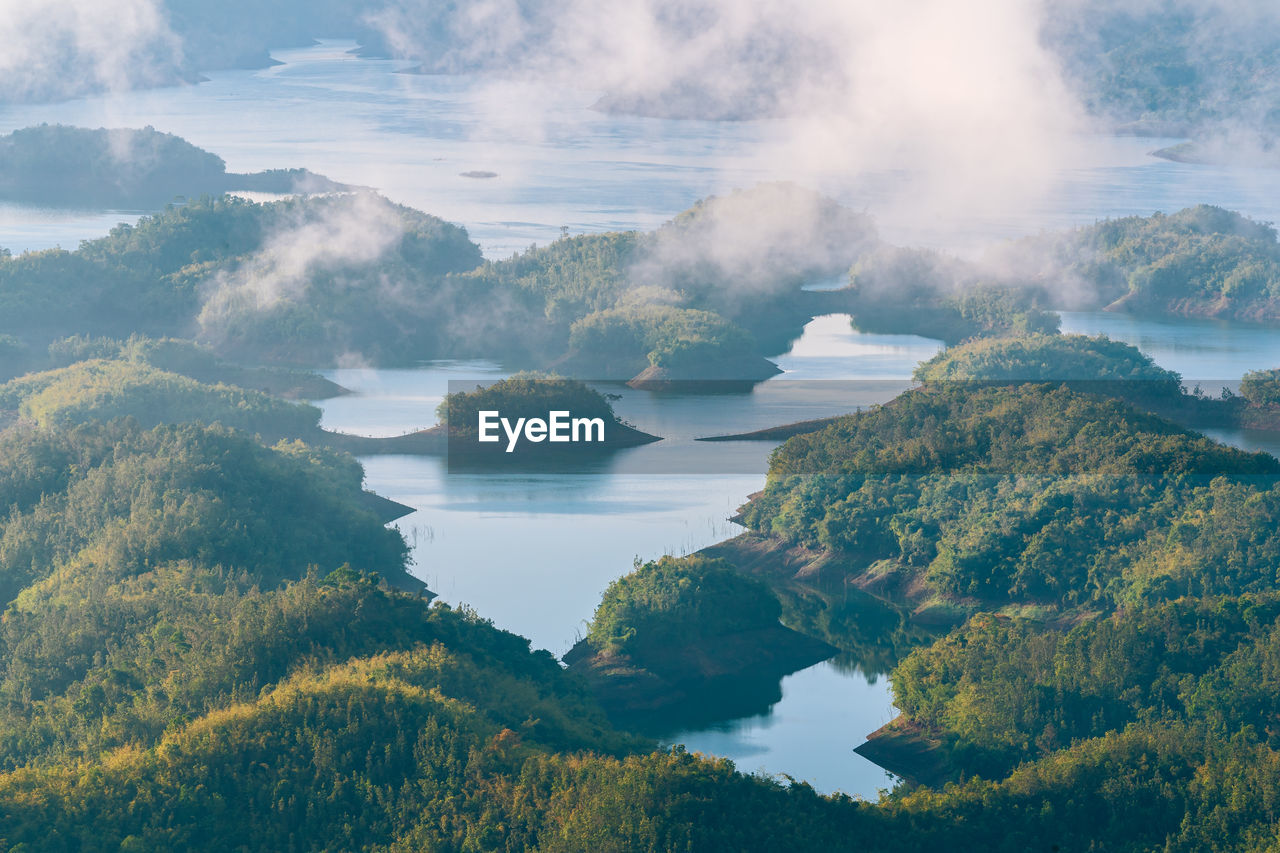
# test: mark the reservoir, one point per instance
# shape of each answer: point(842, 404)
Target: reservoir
point(534, 552)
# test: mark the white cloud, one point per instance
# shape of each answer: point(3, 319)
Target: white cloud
point(59, 48)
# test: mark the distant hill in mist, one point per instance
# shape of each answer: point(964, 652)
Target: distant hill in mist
point(1163, 68)
point(71, 166)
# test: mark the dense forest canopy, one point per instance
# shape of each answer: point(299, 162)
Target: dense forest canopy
point(1201, 261)
point(1045, 358)
point(190, 359)
point(196, 625)
point(323, 280)
point(720, 282)
point(126, 498)
point(694, 598)
point(1261, 387)
point(267, 282)
point(1033, 494)
point(105, 390)
point(1008, 690)
point(1180, 67)
point(920, 291)
point(201, 645)
point(523, 396)
point(148, 701)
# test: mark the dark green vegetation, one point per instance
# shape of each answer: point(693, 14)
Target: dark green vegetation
point(1199, 262)
point(525, 397)
point(122, 499)
point(1125, 698)
point(1261, 387)
point(1171, 707)
point(1003, 691)
point(918, 291)
point(104, 390)
point(678, 601)
point(705, 296)
point(664, 336)
point(130, 385)
point(1202, 261)
point(1103, 367)
point(296, 281)
point(198, 652)
point(76, 166)
point(1047, 358)
point(314, 281)
point(194, 361)
point(692, 639)
point(1024, 496)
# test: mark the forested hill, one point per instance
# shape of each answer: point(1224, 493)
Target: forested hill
point(1170, 69)
point(322, 280)
point(54, 165)
point(1088, 361)
point(301, 281)
point(173, 676)
point(1201, 261)
point(1038, 495)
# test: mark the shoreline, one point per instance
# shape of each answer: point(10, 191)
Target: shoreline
point(907, 751)
point(684, 674)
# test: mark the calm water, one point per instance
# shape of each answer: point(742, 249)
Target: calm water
point(1212, 354)
point(560, 163)
point(534, 552)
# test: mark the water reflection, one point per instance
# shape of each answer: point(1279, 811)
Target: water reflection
point(809, 733)
point(872, 634)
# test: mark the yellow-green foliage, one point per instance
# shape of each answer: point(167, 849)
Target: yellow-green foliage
point(664, 335)
point(103, 390)
point(523, 396)
point(678, 600)
point(1261, 387)
point(125, 499)
point(1045, 358)
point(1029, 494)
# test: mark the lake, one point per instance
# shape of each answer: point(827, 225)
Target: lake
point(534, 552)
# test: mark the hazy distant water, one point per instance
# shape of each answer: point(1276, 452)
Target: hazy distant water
point(534, 552)
point(558, 162)
point(1212, 354)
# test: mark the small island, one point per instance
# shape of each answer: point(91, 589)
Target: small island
point(497, 424)
point(1101, 366)
point(1024, 498)
point(59, 165)
point(1221, 151)
point(675, 630)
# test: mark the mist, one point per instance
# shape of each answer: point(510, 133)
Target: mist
point(964, 107)
point(56, 49)
point(355, 232)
